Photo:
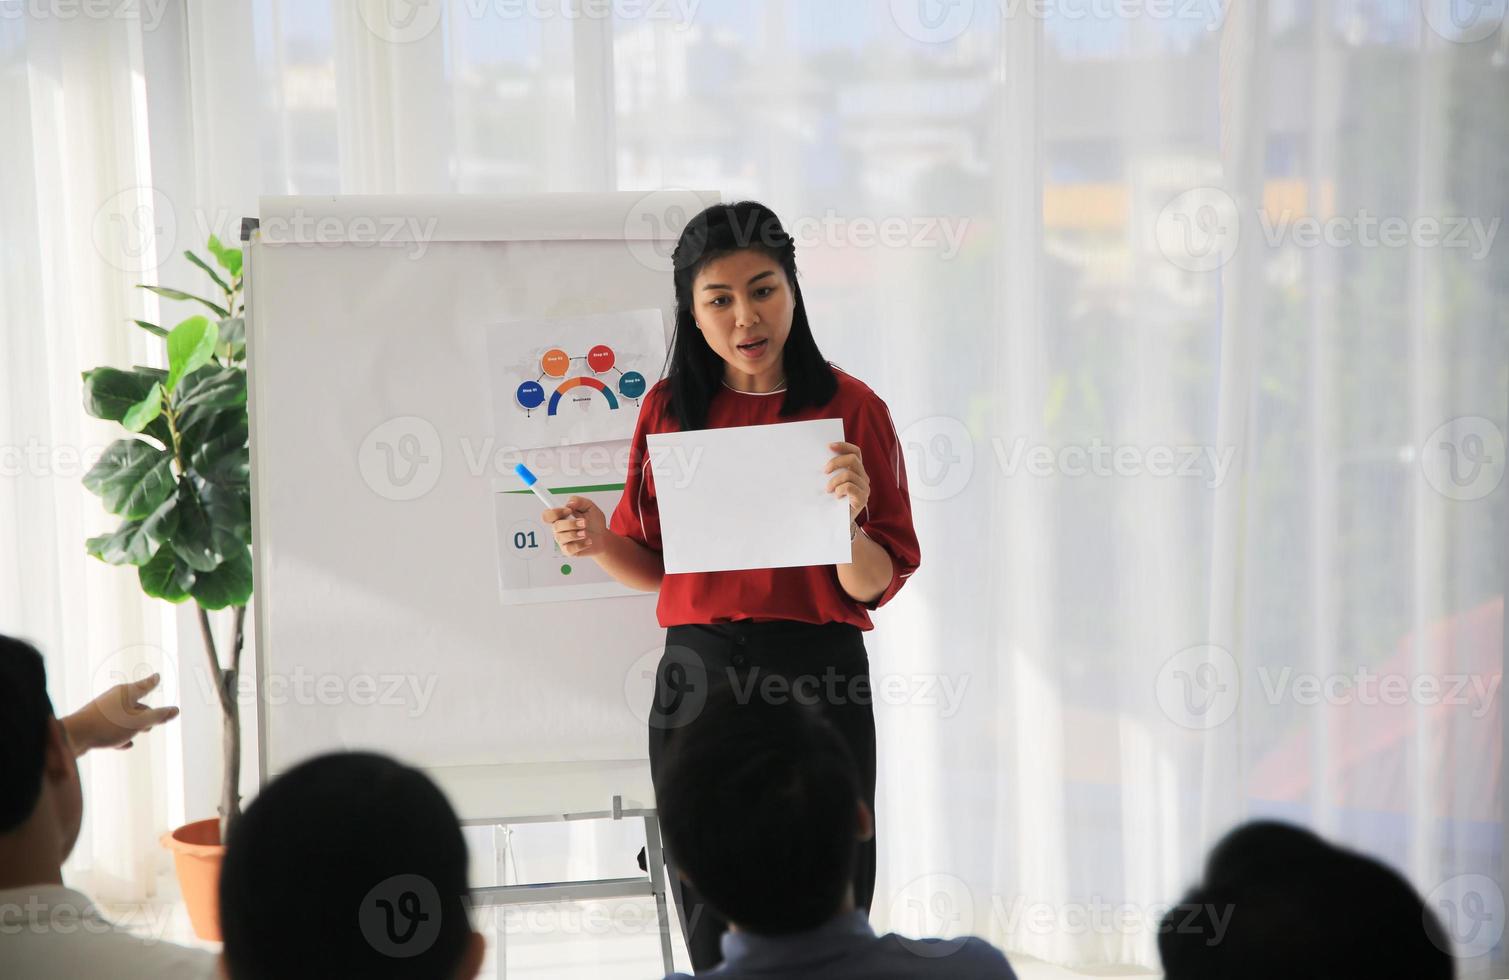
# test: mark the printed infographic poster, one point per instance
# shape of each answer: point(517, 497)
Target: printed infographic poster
point(531, 567)
point(565, 381)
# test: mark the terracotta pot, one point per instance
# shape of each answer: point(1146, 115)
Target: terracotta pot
point(197, 852)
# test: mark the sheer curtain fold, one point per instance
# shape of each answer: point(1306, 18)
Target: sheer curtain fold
point(75, 208)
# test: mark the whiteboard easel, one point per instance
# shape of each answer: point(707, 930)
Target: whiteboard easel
point(367, 313)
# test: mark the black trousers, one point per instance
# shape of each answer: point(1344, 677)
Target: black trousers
point(830, 656)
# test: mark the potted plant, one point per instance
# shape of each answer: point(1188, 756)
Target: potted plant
point(181, 485)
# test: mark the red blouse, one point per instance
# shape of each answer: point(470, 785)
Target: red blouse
point(810, 593)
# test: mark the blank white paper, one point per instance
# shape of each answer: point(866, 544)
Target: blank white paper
point(749, 496)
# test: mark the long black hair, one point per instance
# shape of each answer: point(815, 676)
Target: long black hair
point(695, 371)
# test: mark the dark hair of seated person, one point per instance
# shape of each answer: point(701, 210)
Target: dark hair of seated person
point(348, 865)
point(25, 711)
point(1297, 906)
point(758, 802)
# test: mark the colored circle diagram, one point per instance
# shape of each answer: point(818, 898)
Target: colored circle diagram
point(556, 368)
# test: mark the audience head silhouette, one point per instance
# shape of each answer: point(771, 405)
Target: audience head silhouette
point(760, 804)
point(1278, 901)
point(41, 802)
point(349, 865)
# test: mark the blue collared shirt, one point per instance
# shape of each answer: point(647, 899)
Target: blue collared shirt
point(847, 947)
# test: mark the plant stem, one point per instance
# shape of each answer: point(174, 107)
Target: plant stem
point(225, 687)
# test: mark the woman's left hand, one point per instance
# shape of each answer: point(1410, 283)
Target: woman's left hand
point(849, 477)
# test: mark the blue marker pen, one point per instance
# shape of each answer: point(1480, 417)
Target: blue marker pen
point(533, 483)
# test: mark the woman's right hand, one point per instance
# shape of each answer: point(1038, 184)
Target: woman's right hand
point(580, 527)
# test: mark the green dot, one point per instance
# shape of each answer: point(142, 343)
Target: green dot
point(565, 569)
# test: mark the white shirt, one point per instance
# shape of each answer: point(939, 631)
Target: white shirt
point(50, 932)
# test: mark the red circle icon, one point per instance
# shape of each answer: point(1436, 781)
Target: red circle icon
point(600, 358)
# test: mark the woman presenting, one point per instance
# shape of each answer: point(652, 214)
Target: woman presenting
point(744, 354)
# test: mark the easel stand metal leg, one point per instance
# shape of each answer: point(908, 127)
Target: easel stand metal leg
point(655, 858)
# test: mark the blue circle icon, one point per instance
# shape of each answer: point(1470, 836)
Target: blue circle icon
point(631, 385)
point(530, 394)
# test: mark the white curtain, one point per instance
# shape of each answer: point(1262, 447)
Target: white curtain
point(76, 210)
point(1192, 317)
